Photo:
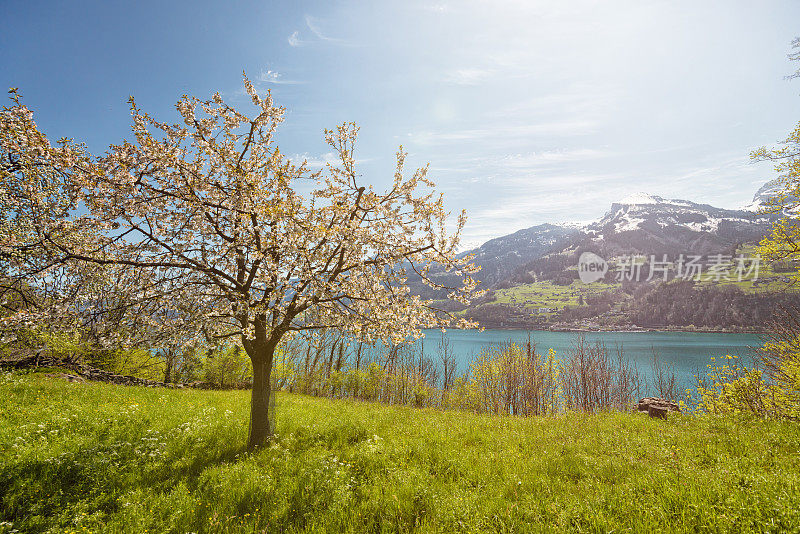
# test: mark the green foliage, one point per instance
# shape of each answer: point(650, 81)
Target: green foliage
point(780, 359)
point(101, 458)
point(772, 389)
point(73, 346)
point(135, 362)
point(514, 379)
point(511, 379)
point(227, 367)
point(783, 243)
point(728, 388)
point(59, 344)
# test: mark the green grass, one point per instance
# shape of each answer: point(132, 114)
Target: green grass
point(768, 280)
point(546, 294)
point(97, 457)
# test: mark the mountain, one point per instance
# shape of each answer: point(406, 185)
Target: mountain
point(649, 224)
point(639, 224)
point(500, 257)
point(543, 290)
point(770, 191)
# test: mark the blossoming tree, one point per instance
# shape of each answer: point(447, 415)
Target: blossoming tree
point(209, 209)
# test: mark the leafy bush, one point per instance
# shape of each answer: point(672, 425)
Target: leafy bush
point(728, 388)
point(228, 366)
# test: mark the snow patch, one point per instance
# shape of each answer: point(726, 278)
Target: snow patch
point(627, 224)
point(711, 225)
point(640, 198)
point(574, 225)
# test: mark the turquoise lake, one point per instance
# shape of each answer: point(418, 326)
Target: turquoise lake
point(687, 352)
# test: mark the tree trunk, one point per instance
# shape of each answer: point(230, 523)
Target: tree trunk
point(168, 370)
point(261, 424)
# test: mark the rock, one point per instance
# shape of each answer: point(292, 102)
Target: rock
point(657, 407)
point(85, 372)
point(65, 376)
point(202, 385)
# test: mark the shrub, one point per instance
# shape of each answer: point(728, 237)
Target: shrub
point(780, 359)
point(728, 388)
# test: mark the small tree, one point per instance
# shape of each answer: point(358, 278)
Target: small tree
point(784, 240)
point(783, 243)
point(780, 355)
point(210, 210)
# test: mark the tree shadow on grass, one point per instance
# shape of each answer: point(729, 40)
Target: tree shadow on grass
point(97, 476)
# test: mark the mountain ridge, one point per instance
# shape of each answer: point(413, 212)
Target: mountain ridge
point(639, 223)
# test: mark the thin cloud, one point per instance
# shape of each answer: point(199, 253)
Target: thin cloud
point(501, 133)
point(549, 157)
point(295, 40)
point(516, 168)
point(718, 171)
point(314, 25)
point(315, 162)
point(469, 76)
point(529, 198)
point(579, 100)
point(436, 8)
point(321, 160)
point(271, 76)
point(512, 213)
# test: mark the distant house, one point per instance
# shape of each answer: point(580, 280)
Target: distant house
point(546, 310)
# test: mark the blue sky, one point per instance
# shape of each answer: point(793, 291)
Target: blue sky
point(528, 112)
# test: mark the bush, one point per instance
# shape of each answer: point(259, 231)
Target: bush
point(728, 388)
point(514, 380)
point(772, 389)
point(228, 366)
point(780, 359)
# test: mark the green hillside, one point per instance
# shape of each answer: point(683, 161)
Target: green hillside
point(558, 297)
point(546, 294)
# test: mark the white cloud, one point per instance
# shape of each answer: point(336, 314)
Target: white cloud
point(271, 76)
point(314, 25)
point(294, 39)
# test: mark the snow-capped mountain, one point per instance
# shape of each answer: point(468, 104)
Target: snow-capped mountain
point(632, 212)
point(639, 223)
point(499, 257)
point(768, 192)
point(674, 222)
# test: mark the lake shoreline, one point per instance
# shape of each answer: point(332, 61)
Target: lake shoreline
point(579, 329)
point(665, 330)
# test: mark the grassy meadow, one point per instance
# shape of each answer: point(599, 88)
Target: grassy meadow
point(546, 294)
point(90, 457)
